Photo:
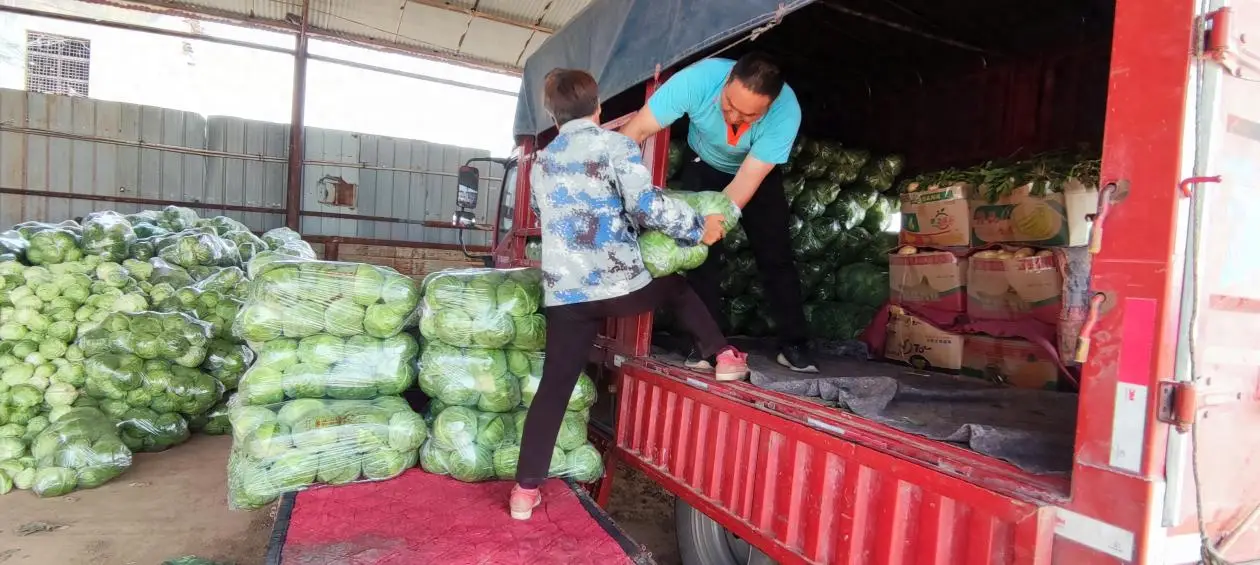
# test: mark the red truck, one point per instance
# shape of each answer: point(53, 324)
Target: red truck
point(1166, 459)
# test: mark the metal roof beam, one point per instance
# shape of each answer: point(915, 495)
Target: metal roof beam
point(475, 13)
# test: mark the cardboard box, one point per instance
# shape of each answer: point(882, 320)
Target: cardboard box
point(931, 278)
point(1055, 219)
point(1016, 362)
point(1014, 288)
point(921, 345)
point(938, 216)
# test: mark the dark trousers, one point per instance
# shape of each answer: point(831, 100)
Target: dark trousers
point(765, 220)
point(571, 332)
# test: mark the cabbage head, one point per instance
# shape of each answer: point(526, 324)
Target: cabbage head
point(531, 333)
point(584, 464)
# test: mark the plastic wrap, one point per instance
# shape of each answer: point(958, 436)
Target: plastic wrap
point(662, 255)
point(291, 445)
point(484, 308)
point(12, 246)
point(215, 422)
point(285, 241)
point(53, 245)
point(300, 298)
point(80, 450)
point(469, 377)
point(471, 446)
point(227, 362)
point(143, 371)
point(329, 366)
point(108, 235)
point(194, 248)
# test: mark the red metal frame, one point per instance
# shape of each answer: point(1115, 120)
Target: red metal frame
point(808, 484)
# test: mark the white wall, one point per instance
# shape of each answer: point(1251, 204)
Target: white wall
point(215, 79)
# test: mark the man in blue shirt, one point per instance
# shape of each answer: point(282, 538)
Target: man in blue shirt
point(744, 120)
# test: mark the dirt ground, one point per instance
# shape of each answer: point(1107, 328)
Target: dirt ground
point(167, 505)
point(174, 504)
point(646, 512)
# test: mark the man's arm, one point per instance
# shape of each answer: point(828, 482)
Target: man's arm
point(747, 180)
point(642, 126)
point(674, 99)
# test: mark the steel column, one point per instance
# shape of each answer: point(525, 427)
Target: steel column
point(293, 196)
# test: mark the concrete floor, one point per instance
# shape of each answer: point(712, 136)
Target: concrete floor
point(174, 504)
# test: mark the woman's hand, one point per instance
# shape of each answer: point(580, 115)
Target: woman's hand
point(713, 229)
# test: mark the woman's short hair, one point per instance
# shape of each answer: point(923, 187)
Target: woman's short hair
point(569, 94)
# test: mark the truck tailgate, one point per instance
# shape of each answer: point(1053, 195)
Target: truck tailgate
point(424, 518)
point(823, 488)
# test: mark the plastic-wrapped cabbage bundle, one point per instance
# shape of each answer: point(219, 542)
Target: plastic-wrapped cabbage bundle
point(573, 457)
point(881, 172)
point(473, 446)
point(663, 255)
point(329, 366)
point(292, 445)
point(52, 245)
point(108, 235)
point(216, 422)
point(143, 371)
point(463, 441)
point(297, 298)
point(484, 308)
point(196, 248)
point(288, 242)
point(227, 361)
point(469, 377)
point(527, 368)
point(80, 450)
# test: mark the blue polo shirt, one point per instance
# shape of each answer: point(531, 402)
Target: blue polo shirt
point(696, 92)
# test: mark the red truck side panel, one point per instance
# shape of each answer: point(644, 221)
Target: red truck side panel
point(813, 497)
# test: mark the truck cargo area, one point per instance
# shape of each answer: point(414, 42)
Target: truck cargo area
point(969, 82)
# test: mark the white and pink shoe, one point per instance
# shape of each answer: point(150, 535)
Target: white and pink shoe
point(523, 502)
point(730, 364)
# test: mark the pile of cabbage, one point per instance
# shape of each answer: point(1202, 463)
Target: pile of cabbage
point(480, 366)
point(663, 255)
point(320, 402)
point(125, 322)
point(843, 210)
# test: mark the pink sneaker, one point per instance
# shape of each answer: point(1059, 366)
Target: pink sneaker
point(732, 365)
point(523, 502)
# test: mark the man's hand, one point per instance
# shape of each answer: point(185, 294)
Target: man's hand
point(713, 229)
point(747, 180)
point(642, 126)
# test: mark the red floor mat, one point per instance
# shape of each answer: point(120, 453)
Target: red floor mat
point(423, 518)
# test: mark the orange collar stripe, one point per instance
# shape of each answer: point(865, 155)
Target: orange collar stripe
point(732, 136)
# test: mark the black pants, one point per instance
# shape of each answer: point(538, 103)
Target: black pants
point(765, 220)
point(571, 332)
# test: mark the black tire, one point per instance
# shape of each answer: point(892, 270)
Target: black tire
point(702, 541)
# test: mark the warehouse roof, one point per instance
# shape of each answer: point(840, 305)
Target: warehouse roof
point(497, 34)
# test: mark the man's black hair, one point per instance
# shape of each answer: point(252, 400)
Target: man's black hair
point(759, 73)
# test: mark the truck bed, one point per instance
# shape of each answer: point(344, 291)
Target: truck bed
point(1031, 429)
point(1014, 441)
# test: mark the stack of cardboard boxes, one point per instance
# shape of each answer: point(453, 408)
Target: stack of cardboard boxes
point(995, 289)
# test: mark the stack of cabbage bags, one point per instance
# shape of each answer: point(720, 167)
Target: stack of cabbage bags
point(663, 255)
point(319, 404)
point(482, 362)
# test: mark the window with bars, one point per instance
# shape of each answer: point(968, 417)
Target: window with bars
point(57, 64)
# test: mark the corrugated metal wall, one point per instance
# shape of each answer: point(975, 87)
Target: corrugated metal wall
point(66, 146)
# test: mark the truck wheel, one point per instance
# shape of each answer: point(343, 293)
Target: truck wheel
point(702, 541)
